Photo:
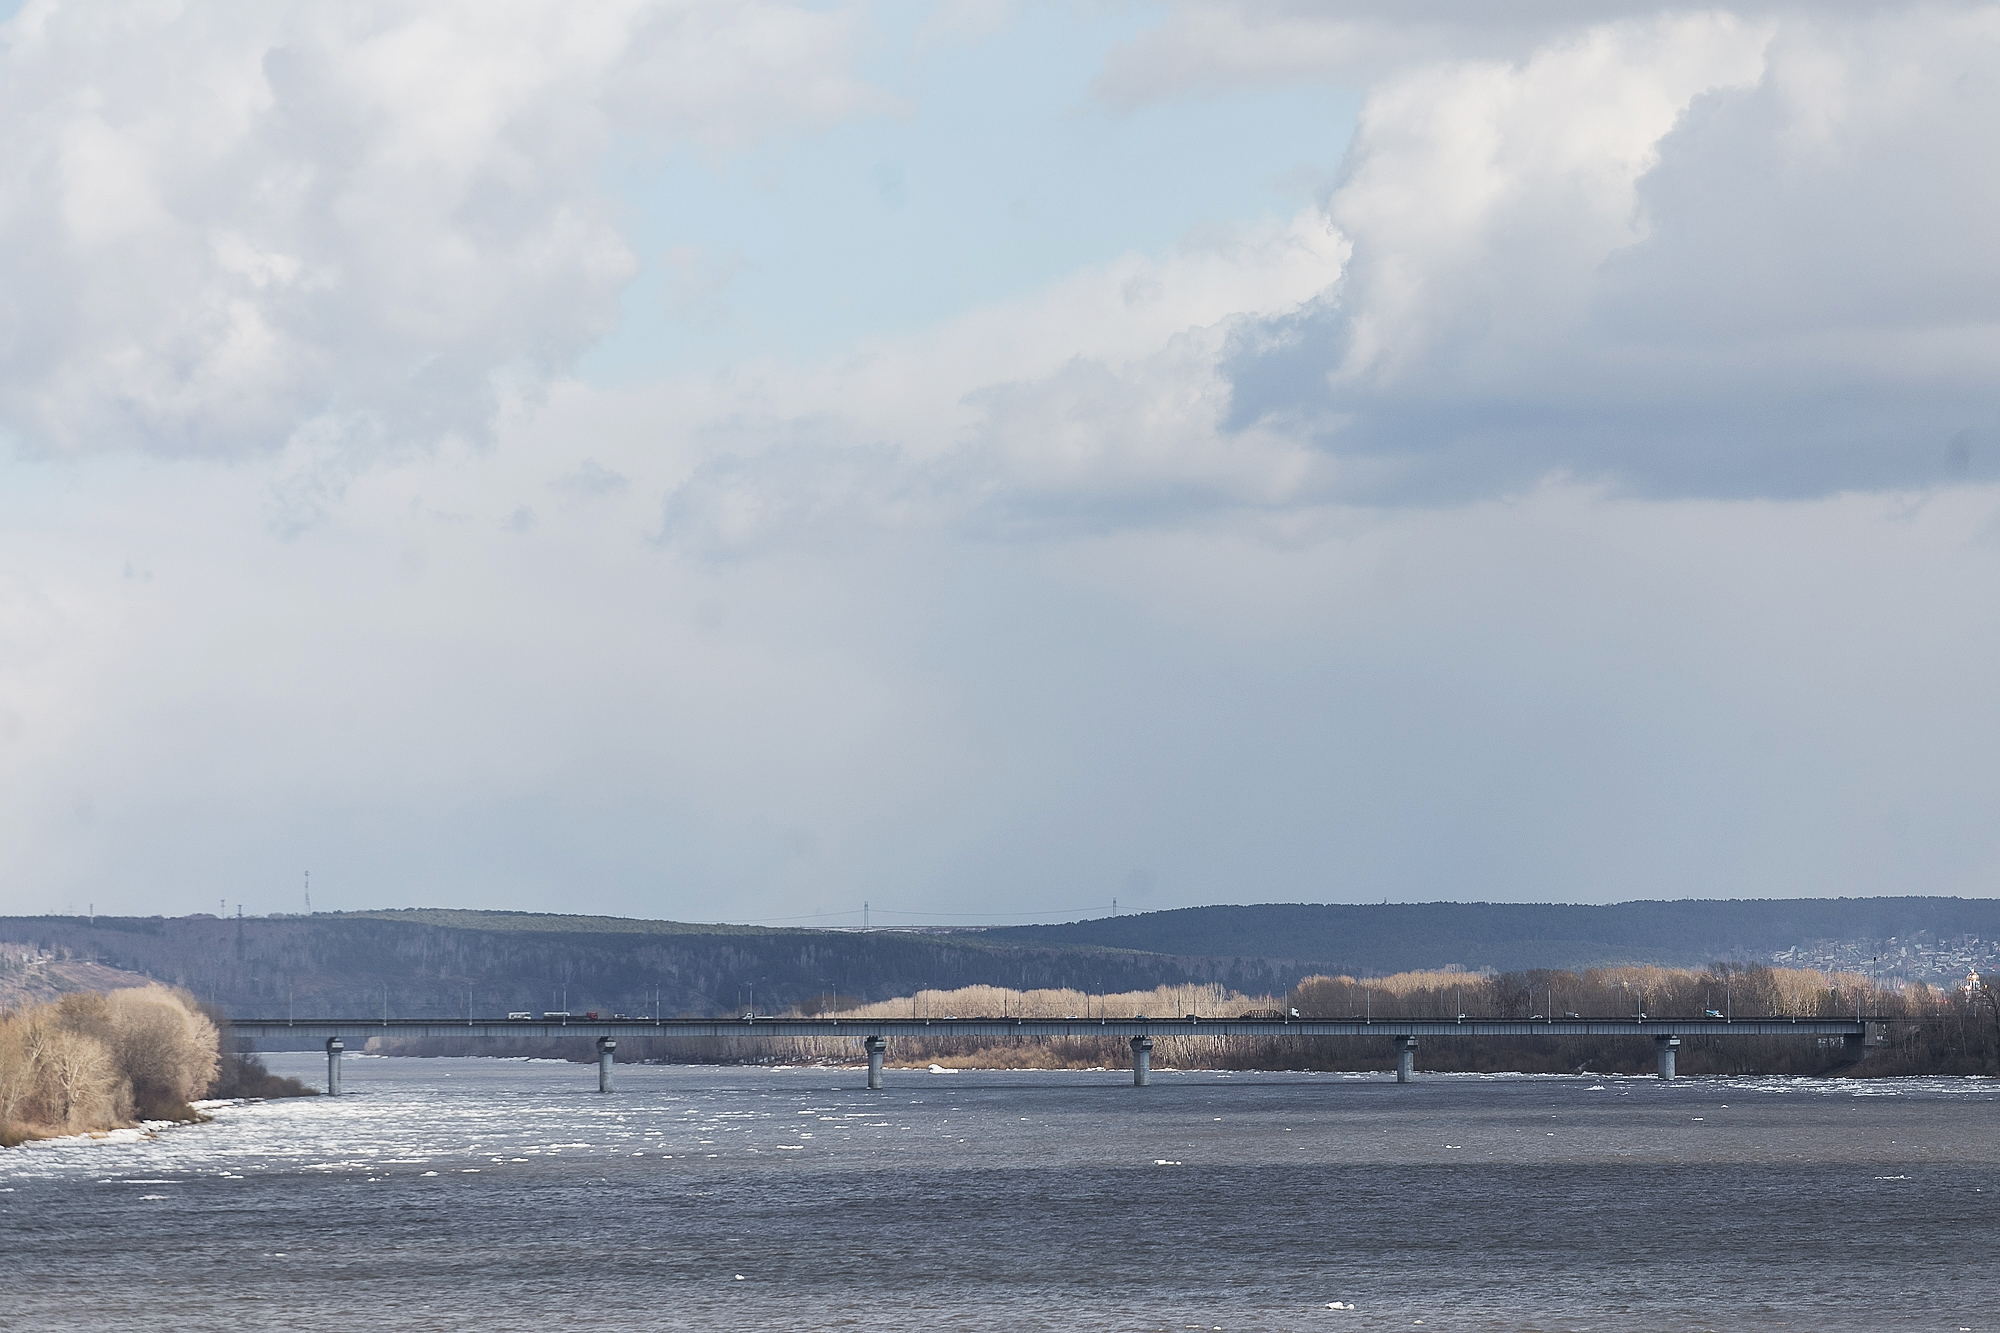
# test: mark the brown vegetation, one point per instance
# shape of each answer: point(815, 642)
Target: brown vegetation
point(1057, 1052)
point(96, 1061)
point(1931, 1030)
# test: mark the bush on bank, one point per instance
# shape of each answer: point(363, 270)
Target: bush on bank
point(92, 1061)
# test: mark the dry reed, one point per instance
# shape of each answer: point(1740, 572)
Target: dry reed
point(1660, 991)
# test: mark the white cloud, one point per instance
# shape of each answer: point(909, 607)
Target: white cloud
point(1093, 402)
point(225, 225)
point(1694, 254)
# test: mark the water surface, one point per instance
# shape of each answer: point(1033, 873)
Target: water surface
point(503, 1195)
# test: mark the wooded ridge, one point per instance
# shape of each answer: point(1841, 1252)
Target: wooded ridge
point(441, 962)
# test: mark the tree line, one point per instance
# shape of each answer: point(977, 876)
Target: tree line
point(1930, 1030)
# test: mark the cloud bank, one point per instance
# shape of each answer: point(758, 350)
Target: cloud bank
point(234, 226)
point(1591, 492)
point(1696, 255)
point(1703, 254)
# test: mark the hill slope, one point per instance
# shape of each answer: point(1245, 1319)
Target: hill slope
point(435, 963)
point(1371, 939)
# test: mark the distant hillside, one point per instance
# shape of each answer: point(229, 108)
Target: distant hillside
point(433, 963)
point(553, 923)
point(29, 976)
point(1371, 939)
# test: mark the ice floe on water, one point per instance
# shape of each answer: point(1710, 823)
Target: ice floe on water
point(497, 1149)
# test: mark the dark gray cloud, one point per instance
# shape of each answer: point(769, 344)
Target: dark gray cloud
point(590, 480)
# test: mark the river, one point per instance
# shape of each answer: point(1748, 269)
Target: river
point(510, 1195)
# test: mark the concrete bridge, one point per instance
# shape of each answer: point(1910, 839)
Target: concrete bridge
point(1857, 1034)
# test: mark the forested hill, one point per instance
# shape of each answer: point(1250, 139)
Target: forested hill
point(1372, 939)
point(434, 963)
point(420, 964)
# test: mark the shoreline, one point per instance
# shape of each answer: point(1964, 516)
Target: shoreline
point(144, 1130)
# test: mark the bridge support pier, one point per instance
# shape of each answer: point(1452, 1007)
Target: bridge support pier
point(605, 1046)
point(1666, 1046)
point(333, 1050)
point(875, 1046)
point(1406, 1058)
point(1142, 1061)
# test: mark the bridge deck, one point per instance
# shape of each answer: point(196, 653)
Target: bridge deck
point(858, 1028)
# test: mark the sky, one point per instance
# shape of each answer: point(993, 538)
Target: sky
point(989, 461)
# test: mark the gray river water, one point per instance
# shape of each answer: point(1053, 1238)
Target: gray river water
point(503, 1195)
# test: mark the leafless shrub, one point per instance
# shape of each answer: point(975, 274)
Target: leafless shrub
point(92, 1061)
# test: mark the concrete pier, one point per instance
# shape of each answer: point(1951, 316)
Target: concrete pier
point(1406, 1058)
point(1666, 1046)
point(333, 1050)
point(605, 1046)
point(875, 1046)
point(1142, 1061)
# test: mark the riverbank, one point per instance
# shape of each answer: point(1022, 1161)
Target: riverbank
point(99, 1063)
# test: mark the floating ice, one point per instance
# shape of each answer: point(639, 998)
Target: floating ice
point(940, 1069)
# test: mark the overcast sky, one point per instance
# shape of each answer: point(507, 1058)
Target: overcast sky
point(735, 461)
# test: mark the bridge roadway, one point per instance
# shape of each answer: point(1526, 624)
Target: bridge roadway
point(1857, 1034)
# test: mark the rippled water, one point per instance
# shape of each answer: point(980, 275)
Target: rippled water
point(502, 1195)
